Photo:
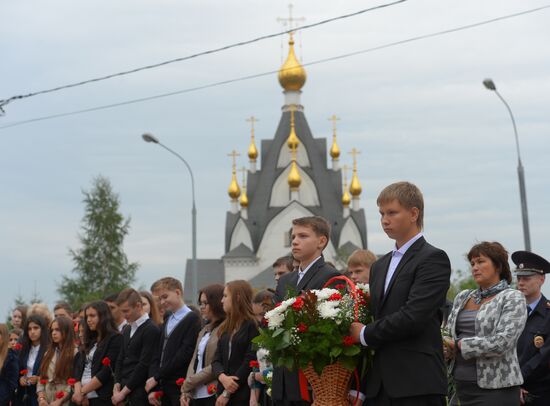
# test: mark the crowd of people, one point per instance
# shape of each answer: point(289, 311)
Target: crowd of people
point(489, 347)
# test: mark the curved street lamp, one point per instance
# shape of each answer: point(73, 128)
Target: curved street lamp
point(152, 139)
point(489, 84)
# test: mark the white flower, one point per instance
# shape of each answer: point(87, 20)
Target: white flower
point(328, 310)
point(324, 294)
point(364, 287)
point(275, 320)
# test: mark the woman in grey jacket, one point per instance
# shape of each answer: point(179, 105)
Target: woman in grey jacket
point(484, 326)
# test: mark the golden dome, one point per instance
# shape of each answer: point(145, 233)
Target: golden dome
point(252, 150)
point(346, 199)
point(292, 75)
point(294, 178)
point(292, 140)
point(334, 149)
point(244, 199)
point(355, 186)
point(234, 191)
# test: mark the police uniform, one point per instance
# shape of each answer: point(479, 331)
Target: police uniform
point(534, 342)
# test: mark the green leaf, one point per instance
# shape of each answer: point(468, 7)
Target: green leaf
point(335, 352)
point(351, 351)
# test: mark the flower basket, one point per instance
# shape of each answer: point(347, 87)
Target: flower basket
point(331, 387)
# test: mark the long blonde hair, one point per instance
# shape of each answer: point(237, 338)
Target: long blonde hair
point(4, 345)
point(241, 307)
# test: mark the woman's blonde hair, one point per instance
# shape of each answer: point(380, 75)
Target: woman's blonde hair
point(4, 345)
point(241, 306)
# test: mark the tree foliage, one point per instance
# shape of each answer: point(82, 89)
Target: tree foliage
point(100, 265)
point(460, 280)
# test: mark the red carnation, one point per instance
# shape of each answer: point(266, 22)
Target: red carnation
point(212, 388)
point(277, 304)
point(302, 328)
point(334, 297)
point(60, 395)
point(43, 381)
point(159, 394)
point(71, 381)
point(106, 361)
point(254, 364)
point(18, 347)
point(180, 381)
point(264, 322)
point(298, 304)
point(340, 286)
point(23, 372)
point(347, 341)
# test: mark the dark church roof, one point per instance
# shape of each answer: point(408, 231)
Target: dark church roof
point(208, 271)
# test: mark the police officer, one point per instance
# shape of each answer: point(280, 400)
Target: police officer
point(534, 342)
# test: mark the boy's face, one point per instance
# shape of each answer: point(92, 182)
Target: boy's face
point(306, 245)
point(359, 273)
point(131, 313)
point(170, 300)
point(61, 313)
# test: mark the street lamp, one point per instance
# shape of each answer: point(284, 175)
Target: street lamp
point(151, 138)
point(489, 84)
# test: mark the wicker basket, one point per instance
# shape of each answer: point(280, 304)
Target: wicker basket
point(332, 387)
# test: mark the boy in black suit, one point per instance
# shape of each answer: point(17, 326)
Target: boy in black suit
point(140, 337)
point(310, 236)
point(176, 343)
point(408, 287)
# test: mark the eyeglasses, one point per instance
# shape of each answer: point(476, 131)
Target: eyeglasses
point(203, 304)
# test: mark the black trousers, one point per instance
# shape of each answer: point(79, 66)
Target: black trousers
point(100, 402)
point(172, 393)
point(209, 401)
point(138, 397)
point(290, 403)
point(383, 399)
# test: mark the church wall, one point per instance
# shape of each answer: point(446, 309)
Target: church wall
point(350, 232)
point(280, 193)
point(240, 235)
point(236, 268)
point(285, 156)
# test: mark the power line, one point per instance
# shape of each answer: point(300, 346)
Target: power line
point(185, 58)
point(254, 76)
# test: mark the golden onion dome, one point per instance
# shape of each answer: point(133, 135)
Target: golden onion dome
point(355, 187)
point(292, 75)
point(292, 141)
point(252, 150)
point(294, 178)
point(244, 199)
point(346, 199)
point(334, 149)
point(234, 191)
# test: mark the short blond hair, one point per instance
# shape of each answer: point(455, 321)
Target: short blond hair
point(408, 196)
point(167, 283)
point(361, 258)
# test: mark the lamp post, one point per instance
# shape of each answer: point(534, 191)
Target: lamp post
point(150, 138)
point(489, 84)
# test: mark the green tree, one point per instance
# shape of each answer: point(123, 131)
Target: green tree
point(460, 280)
point(101, 266)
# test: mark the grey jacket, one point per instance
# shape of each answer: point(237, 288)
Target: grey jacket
point(498, 325)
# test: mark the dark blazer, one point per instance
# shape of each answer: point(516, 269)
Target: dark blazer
point(238, 364)
point(171, 364)
point(534, 361)
point(406, 333)
point(109, 347)
point(29, 390)
point(9, 375)
point(134, 360)
point(285, 383)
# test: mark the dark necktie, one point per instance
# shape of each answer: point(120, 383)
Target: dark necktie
point(529, 310)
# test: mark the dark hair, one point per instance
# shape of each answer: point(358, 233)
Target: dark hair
point(63, 305)
point(64, 363)
point(262, 296)
point(318, 224)
point(286, 261)
point(105, 327)
point(497, 254)
point(26, 341)
point(154, 313)
point(129, 295)
point(214, 295)
point(23, 310)
point(111, 298)
point(241, 307)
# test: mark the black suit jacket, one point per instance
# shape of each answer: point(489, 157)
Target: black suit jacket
point(285, 382)
point(109, 347)
point(534, 361)
point(406, 333)
point(132, 367)
point(238, 363)
point(171, 364)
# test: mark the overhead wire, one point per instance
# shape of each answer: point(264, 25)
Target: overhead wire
point(253, 76)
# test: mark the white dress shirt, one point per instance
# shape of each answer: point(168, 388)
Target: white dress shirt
point(396, 256)
point(121, 326)
point(301, 273)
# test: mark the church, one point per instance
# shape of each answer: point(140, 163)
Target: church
point(292, 179)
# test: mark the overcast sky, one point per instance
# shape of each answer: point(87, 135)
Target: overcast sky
point(416, 111)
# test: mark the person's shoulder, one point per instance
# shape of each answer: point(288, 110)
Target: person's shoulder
point(512, 294)
point(285, 279)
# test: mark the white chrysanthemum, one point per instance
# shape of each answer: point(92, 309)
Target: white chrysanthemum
point(279, 310)
point(328, 310)
point(275, 320)
point(364, 287)
point(324, 294)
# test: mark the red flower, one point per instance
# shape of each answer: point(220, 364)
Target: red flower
point(348, 341)
point(180, 381)
point(18, 347)
point(277, 304)
point(340, 286)
point(106, 361)
point(43, 381)
point(212, 388)
point(264, 322)
point(302, 328)
point(334, 297)
point(23, 372)
point(159, 394)
point(71, 381)
point(254, 364)
point(60, 395)
point(298, 304)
